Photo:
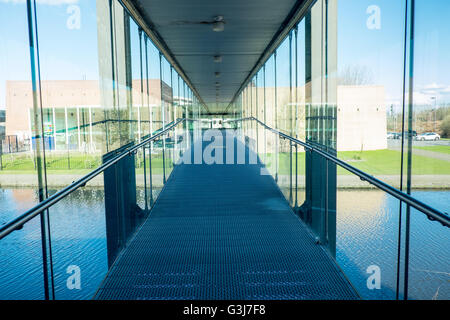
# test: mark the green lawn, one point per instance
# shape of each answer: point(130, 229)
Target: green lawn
point(387, 162)
point(379, 162)
point(441, 149)
point(59, 164)
point(13, 162)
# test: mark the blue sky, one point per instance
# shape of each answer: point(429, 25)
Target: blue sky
point(71, 53)
point(381, 50)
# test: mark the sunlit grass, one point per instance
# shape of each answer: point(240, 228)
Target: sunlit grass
point(378, 162)
point(441, 149)
point(75, 164)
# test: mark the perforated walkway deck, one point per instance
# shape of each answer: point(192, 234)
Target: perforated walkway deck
point(223, 232)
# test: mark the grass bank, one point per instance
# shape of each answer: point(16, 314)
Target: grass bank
point(378, 162)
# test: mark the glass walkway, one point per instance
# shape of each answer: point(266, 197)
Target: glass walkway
point(224, 231)
point(201, 150)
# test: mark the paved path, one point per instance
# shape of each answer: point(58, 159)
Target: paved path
point(396, 145)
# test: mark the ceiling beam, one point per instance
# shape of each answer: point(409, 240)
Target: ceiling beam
point(157, 40)
point(297, 13)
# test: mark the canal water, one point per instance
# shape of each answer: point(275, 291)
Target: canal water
point(367, 236)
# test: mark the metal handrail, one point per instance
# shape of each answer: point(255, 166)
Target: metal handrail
point(47, 203)
point(17, 223)
point(432, 213)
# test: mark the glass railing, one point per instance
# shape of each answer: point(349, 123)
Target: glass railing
point(63, 247)
point(429, 271)
point(390, 245)
point(383, 239)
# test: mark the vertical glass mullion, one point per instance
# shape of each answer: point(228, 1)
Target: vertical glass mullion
point(40, 156)
point(265, 116)
point(162, 117)
point(411, 13)
point(141, 69)
point(289, 119)
point(296, 115)
point(257, 114)
point(276, 115)
point(150, 118)
point(172, 113)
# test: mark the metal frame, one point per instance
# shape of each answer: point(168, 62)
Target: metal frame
point(158, 41)
point(297, 13)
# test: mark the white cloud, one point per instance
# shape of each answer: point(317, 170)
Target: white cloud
point(427, 93)
point(422, 98)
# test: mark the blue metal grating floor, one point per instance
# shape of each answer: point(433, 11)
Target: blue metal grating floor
point(223, 232)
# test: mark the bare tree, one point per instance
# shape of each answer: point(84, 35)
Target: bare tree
point(353, 75)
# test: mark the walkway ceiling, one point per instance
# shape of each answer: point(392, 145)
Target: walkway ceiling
point(250, 25)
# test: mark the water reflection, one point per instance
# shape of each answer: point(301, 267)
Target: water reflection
point(77, 226)
point(367, 231)
point(367, 226)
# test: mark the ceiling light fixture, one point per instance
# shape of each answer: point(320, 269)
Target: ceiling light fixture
point(217, 58)
point(217, 74)
point(218, 24)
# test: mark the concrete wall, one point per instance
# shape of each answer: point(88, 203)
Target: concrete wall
point(68, 93)
point(361, 123)
point(361, 116)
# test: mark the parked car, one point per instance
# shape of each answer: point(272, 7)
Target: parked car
point(391, 135)
point(428, 136)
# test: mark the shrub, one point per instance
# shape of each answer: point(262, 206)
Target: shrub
point(445, 127)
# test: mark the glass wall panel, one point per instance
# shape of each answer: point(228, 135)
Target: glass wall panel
point(253, 112)
point(299, 108)
point(429, 251)
point(166, 87)
point(428, 152)
point(367, 102)
point(21, 142)
point(21, 274)
point(154, 86)
point(430, 117)
point(270, 115)
point(137, 96)
point(260, 113)
point(71, 81)
point(136, 82)
point(366, 241)
point(123, 126)
point(79, 242)
point(371, 38)
point(282, 120)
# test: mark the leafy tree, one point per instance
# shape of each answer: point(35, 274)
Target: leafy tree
point(445, 127)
